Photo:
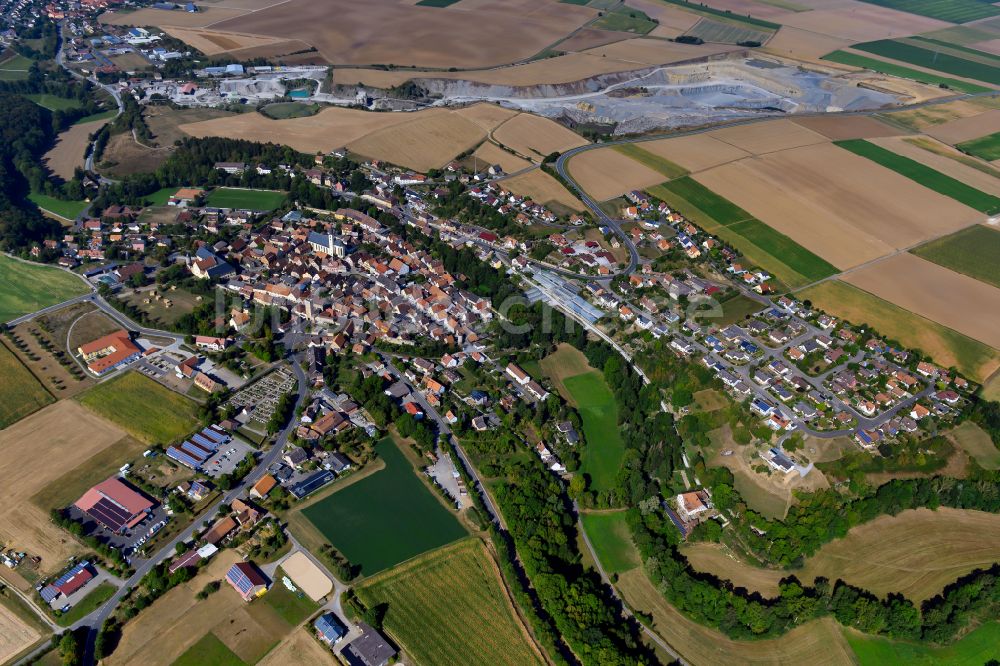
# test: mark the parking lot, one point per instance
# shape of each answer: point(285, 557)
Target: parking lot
point(132, 539)
point(227, 458)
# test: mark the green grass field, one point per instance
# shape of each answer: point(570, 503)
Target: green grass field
point(159, 197)
point(985, 147)
point(53, 103)
point(975, 648)
point(20, 392)
point(103, 115)
point(68, 210)
point(933, 57)
point(892, 69)
point(953, 11)
point(15, 68)
point(946, 346)
point(727, 32)
point(386, 518)
point(653, 161)
point(978, 444)
point(736, 309)
point(972, 251)
point(924, 175)
point(626, 19)
point(147, 410)
point(87, 605)
point(291, 607)
point(602, 455)
point(285, 110)
point(612, 541)
point(720, 210)
point(449, 607)
point(209, 650)
point(228, 197)
point(27, 287)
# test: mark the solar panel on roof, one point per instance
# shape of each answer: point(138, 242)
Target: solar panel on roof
point(109, 514)
point(183, 458)
point(194, 444)
point(211, 436)
point(204, 441)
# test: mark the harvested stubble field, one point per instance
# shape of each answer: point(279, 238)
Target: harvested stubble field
point(67, 153)
point(946, 346)
point(977, 443)
point(837, 128)
point(490, 153)
point(420, 140)
point(824, 198)
point(16, 635)
point(451, 607)
point(695, 152)
point(147, 410)
point(819, 642)
point(536, 137)
point(652, 160)
point(20, 391)
point(62, 434)
point(205, 16)
point(967, 128)
point(544, 189)
point(858, 22)
point(972, 252)
point(606, 173)
point(934, 119)
point(954, 300)
point(469, 34)
point(212, 42)
point(301, 649)
point(769, 136)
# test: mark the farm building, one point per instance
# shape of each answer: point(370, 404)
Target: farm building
point(247, 579)
point(113, 350)
point(69, 582)
point(115, 504)
point(196, 450)
point(369, 649)
point(329, 628)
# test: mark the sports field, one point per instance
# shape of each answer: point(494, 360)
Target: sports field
point(144, 408)
point(985, 147)
point(20, 392)
point(27, 287)
point(602, 454)
point(929, 178)
point(386, 518)
point(450, 607)
point(972, 252)
point(938, 56)
point(892, 69)
point(980, 646)
point(609, 535)
point(946, 346)
point(953, 11)
point(229, 197)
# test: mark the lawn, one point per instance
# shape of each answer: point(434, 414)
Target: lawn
point(28, 287)
point(978, 647)
point(924, 175)
point(292, 607)
point(946, 346)
point(857, 60)
point(88, 604)
point(450, 607)
point(228, 197)
point(932, 56)
point(386, 518)
point(144, 408)
point(953, 11)
point(68, 210)
point(209, 650)
point(53, 103)
point(609, 535)
point(972, 251)
point(20, 392)
point(985, 147)
point(602, 454)
point(653, 161)
point(626, 19)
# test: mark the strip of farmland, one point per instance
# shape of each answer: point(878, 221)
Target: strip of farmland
point(981, 67)
point(857, 60)
point(972, 252)
point(985, 147)
point(929, 178)
point(953, 11)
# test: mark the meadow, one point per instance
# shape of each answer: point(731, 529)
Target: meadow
point(386, 518)
point(892, 69)
point(979, 646)
point(953, 11)
point(28, 287)
point(625, 19)
point(972, 252)
point(450, 607)
point(612, 541)
point(68, 210)
point(20, 392)
point(15, 68)
point(602, 455)
point(261, 200)
point(209, 650)
point(52, 102)
point(933, 57)
point(929, 178)
point(147, 410)
point(985, 147)
point(978, 444)
point(946, 346)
